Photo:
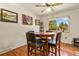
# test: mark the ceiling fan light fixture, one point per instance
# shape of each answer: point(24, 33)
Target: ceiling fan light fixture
point(48, 9)
point(49, 6)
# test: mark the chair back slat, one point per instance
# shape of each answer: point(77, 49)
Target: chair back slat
point(49, 31)
point(58, 37)
point(30, 37)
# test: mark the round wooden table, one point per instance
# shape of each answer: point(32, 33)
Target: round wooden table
point(45, 35)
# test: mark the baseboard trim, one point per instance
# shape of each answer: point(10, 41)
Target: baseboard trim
point(11, 48)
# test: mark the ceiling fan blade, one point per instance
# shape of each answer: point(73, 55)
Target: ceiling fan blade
point(43, 10)
point(47, 4)
point(40, 5)
point(56, 4)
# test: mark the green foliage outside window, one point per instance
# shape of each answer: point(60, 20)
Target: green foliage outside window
point(59, 24)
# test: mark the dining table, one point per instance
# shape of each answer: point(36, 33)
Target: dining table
point(45, 36)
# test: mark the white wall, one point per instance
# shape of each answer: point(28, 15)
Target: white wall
point(74, 22)
point(12, 35)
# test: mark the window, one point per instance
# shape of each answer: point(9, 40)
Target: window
point(61, 23)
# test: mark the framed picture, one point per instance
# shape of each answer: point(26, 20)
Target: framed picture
point(9, 16)
point(60, 23)
point(37, 22)
point(28, 20)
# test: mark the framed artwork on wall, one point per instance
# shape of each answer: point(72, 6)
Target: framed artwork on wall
point(27, 20)
point(37, 22)
point(60, 23)
point(9, 16)
point(0, 15)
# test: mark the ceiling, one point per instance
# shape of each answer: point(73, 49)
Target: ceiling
point(37, 10)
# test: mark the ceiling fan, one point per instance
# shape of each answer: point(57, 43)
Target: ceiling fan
point(48, 5)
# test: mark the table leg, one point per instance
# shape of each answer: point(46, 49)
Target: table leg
point(47, 46)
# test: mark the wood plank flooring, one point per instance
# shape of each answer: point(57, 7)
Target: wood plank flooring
point(66, 50)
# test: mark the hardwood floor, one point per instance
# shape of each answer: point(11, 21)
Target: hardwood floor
point(69, 50)
point(66, 50)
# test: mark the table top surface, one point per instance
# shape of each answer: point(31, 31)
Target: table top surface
point(45, 33)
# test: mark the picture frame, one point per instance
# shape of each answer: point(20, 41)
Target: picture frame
point(9, 16)
point(59, 24)
point(37, 22)
point(27, 20)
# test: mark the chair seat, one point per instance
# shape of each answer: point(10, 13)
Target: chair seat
point(38, 44)
point(51, 42)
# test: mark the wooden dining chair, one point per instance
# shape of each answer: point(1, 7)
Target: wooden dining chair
point(55, 44)
point(33, 44)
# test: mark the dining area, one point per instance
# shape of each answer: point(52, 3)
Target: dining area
point(43, 43)
point(27, 32)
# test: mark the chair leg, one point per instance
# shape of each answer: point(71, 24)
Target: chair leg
point(35, 51)
point(28, 49)
point(49, 49)
point(31, 50)
point(55, 51)
point(44, 51)
point(59, 50)
point(52, 51)
point(40, 51)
